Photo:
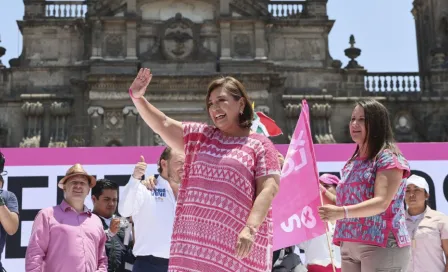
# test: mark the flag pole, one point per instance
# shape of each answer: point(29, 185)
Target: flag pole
point(328, 238)
point(305, 104)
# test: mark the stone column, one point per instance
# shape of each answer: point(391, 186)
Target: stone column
point(131, 31)
point(130, 125)
point(224, 7)
point(132, 6)
point(95, 114)
point(97, 40)
point(33, 112)
point(225, 41)
point(259, 41)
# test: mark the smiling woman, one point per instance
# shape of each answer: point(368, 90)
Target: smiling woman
point(223, 218)
point(371, 228)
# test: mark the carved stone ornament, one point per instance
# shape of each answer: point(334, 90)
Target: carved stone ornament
point(130, 111)
point(178, 42)
point(29, 142)
point(114, 45)
point(32, 109)
point(113, 120)
point(59, 108)
point(95, 111)
point(241, 45)
point(403, 123)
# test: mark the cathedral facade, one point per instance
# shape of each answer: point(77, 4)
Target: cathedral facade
point(69, 87)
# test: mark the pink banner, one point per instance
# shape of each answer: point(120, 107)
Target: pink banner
point(295, 206)
point(131, 154)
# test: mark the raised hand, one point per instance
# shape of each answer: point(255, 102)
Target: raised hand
point(141, 82)
point(140, 169)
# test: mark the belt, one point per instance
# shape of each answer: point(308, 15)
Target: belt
point(153, 259)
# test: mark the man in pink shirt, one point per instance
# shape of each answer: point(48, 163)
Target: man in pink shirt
point(68, 237)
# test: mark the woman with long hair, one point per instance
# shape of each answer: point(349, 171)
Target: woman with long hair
point(223, 217)
point(371, 227)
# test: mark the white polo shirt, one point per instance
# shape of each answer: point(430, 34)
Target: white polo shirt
point(153, 215)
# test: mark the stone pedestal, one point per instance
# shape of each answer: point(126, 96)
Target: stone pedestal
point(130, 125)
point(96, 119)
point(132, 6)
point(131, 28)
point(260, 53)
point(224, 8)
point(97, 40)
point(225, 41)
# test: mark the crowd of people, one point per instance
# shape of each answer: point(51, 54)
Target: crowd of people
point(209, 208)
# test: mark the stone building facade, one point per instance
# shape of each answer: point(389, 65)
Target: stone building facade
point(69, 87)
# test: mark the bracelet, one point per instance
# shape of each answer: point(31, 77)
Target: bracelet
point(345, 211)
point(131, 95)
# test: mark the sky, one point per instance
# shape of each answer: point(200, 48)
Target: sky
point(384, 30)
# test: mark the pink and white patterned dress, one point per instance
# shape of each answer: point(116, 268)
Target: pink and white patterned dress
point(216, 196)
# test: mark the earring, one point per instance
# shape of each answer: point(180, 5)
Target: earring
point(241, 112)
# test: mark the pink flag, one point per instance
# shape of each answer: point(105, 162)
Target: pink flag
point(295, 207)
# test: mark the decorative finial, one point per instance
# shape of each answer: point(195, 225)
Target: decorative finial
point(352, 41)
point(352, 53)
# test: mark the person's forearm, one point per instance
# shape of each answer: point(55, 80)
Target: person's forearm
point(168, 129)
point(150, 114)
point(330, 196)
point(367, 208)
point(261, 206)
point(9, 220)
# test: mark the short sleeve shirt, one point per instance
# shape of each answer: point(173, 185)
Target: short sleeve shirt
point(10, 202)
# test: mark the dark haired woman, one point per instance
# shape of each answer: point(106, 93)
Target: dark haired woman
point(231, 175)
point(371, 227)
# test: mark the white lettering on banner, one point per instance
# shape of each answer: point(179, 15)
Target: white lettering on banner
point(289, 164)
point(36, 188)
point(307, 219)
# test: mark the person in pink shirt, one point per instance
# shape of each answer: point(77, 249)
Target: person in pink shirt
point(428, 229)
point(371, 227)
point(68, 237)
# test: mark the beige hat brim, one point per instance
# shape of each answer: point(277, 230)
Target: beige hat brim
point(92, 179)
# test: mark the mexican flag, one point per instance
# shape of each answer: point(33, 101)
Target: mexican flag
point(262, 124)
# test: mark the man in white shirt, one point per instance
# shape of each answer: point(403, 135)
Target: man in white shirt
point(153, 211)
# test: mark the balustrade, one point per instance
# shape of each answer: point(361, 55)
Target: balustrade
point(65, 9)
point(394, 82)
point(287, 8)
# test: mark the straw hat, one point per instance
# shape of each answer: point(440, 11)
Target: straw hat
point(74, 171)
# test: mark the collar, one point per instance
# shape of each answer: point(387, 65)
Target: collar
point(160, 178)
point(428, 213)
point(66, 207)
